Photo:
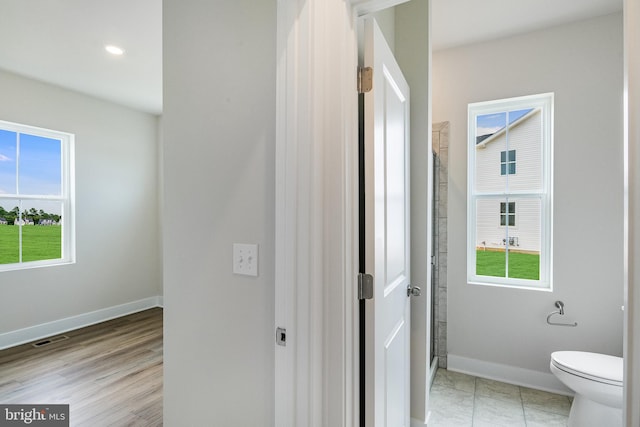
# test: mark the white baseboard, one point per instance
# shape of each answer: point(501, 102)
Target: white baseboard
point(507, 374)
point(33, 333)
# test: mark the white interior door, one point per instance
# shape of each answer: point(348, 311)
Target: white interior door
point(387, 315)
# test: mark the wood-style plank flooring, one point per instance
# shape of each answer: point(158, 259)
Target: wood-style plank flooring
point(110, 373)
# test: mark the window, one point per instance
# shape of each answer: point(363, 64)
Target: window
point(36, 197)
point(508, 213)
point(508, 163)
point(514, 248)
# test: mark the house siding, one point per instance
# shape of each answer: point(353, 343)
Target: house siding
point(525, 137)
point(491, 235)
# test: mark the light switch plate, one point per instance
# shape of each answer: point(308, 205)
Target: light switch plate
point(245, 259)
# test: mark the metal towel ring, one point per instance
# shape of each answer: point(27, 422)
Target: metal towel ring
point(560, 306)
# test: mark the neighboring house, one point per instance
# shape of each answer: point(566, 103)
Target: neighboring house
point(47, 222)
point(3, 221)
point(23, 221)
point(516, 166)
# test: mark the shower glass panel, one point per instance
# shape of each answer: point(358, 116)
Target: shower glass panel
point(434, 250)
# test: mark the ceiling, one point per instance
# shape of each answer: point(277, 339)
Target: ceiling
point(62, 41)
point(460, 22)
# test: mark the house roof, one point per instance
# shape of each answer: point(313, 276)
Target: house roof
point(483, 140)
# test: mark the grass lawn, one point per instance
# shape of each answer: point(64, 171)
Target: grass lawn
point(521, 266)
point(38, 243)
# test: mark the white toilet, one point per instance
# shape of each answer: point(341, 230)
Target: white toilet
point(597, 381)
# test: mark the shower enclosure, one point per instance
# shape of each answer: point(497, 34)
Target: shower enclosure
point(440, 141)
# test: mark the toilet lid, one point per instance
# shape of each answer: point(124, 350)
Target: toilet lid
point(594, 366)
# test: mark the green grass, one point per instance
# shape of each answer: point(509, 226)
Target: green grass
point(38, 243)
point(521, 266)
point(9, 251)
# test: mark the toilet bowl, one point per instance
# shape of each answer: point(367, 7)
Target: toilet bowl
point(596, 380)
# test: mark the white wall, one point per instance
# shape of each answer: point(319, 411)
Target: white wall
point(582, 64)
point(218, 149)
point(117, 241)
point(386, 19)
point(632, 208)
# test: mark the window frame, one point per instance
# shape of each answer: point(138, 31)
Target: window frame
point(507, 163)
point(507, 214)
point(66, 197)
point(544, 102)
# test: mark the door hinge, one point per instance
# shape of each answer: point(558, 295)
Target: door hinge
point(365, 79)
point(365, 286)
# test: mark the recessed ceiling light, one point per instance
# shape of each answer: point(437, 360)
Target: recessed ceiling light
point(114, 50)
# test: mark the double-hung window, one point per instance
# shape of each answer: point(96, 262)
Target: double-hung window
point(36, 197)
point(509, 234)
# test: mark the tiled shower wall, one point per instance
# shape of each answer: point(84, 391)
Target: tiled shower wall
point(440, 138)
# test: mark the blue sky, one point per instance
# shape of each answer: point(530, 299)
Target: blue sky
point(491, 123)
point(40, 164)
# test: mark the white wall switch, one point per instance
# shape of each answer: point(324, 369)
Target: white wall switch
point(245, 259)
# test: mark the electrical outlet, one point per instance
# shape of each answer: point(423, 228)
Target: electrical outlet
point(245, 259)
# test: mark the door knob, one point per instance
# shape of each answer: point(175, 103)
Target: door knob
point(413, 291)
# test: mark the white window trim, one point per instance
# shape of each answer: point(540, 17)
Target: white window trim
point(545, 103)
point(67, 196)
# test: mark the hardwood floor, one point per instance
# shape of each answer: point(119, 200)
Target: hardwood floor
point(110, 373)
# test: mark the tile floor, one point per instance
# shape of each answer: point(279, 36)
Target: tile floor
point(459, 400)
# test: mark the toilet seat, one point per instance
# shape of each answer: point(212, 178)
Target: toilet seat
point(592, 366)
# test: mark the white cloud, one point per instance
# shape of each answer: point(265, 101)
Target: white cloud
point(4, 158)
